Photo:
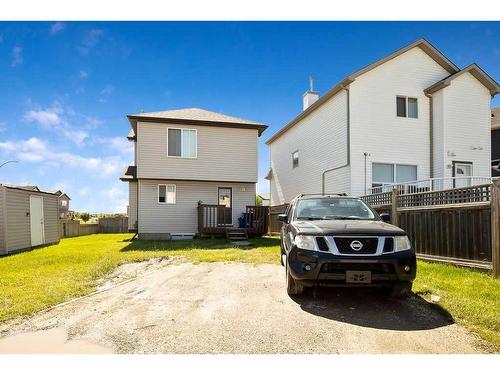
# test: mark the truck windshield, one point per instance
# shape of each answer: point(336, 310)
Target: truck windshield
point(333, 209)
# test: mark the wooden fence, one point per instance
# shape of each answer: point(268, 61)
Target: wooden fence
point(274, 223)
point(118, 224)
point(460, 226)
point(73, 228)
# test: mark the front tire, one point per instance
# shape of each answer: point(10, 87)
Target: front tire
point(293, 288)
point(401, 289)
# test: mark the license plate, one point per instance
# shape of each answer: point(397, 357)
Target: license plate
point(358, 277)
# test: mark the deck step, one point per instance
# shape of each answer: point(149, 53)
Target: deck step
point(236, 234)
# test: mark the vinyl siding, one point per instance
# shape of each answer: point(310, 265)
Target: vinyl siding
point(377, 130)
point(223, 154)
point(17, 205)
point(320, 139)
point(183, 216)
point(132, 205)
point(467, 124)
point(3, 249)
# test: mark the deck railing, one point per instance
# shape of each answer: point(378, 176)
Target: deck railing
point(213, 220)
point(431, 184)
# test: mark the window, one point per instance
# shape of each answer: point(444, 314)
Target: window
point(406, 107)
point(295, 159)
point(383, 173)
point(64, 203)
point(412, 108)
point(331, 208)
point(182, 143)
point(166, 194)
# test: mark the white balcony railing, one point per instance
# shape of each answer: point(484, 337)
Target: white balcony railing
point(432, 184)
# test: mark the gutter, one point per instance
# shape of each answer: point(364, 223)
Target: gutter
point(348, 159)
point(431, 134)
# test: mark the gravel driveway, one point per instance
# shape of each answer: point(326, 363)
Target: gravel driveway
point(233, 308)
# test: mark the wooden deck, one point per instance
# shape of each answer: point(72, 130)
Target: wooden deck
point(212, 219)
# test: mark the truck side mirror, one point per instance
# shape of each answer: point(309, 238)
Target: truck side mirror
point(386, 218)
point(283, 217)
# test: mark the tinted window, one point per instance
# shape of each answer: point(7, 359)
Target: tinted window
point(401, 106)
point(332, 208)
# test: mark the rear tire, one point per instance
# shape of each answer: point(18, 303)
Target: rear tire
point(401, 289)
point(293, 288)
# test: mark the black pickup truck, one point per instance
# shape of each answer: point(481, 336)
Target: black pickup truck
point(335, 240)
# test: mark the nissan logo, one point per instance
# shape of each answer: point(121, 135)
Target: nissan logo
point(356, 245)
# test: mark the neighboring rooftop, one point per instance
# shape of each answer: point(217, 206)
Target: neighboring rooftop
point(425, 46)
point(27, 188)
point(193, 116)
point(23, 187)
point(130, 173)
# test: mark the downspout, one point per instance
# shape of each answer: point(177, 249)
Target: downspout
point(348, 159)
point(431, 135)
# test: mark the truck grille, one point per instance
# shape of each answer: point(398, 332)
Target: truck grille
point(345, 245)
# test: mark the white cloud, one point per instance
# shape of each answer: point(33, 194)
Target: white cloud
point(35, 150)
point(48, 116)
point(120, 145)
point(55, 118)
point(106, 93)
point(56, 27)
point(84, 74)
point(17, 56)
point(90, 40)
point(117, 197)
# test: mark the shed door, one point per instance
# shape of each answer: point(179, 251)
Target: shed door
point(36, 220)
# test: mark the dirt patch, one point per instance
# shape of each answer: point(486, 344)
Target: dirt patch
point(243, 308)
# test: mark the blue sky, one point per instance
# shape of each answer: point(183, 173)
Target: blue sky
point(67, 86)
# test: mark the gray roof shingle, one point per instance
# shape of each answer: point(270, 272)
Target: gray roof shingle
point(197, 114)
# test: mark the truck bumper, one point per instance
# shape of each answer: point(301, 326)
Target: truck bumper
point(312, 268)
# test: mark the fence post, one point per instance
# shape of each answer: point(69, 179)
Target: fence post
point(495, 227)
point(394, 206)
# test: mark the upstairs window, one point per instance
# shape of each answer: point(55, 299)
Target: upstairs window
point(406, 107)
point(64, 203)
point(182, 143)
point(295, 159)
point(166, 194)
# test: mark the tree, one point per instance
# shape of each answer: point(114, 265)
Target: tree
point(85, 216)
point(258, 200)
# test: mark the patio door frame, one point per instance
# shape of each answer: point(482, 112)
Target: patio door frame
point(454, 164)
point(229, 210)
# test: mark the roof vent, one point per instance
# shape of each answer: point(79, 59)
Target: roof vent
point(310, 96)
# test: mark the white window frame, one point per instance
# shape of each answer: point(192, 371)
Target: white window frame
point(166, 194)
point(406, 109)
point(394, 173)
point(195, 149)
point(298, 159)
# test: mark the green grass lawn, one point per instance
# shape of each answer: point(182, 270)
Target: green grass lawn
point(34, 280)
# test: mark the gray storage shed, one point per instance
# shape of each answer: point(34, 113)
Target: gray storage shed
point(28, 218)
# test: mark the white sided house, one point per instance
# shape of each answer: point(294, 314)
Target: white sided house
point(186, 158)
point(412, 117)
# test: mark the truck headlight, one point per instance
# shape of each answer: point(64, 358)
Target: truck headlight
point(402, 243)
point(305, 242)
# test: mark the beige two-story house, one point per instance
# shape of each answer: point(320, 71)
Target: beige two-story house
point(185, 158)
